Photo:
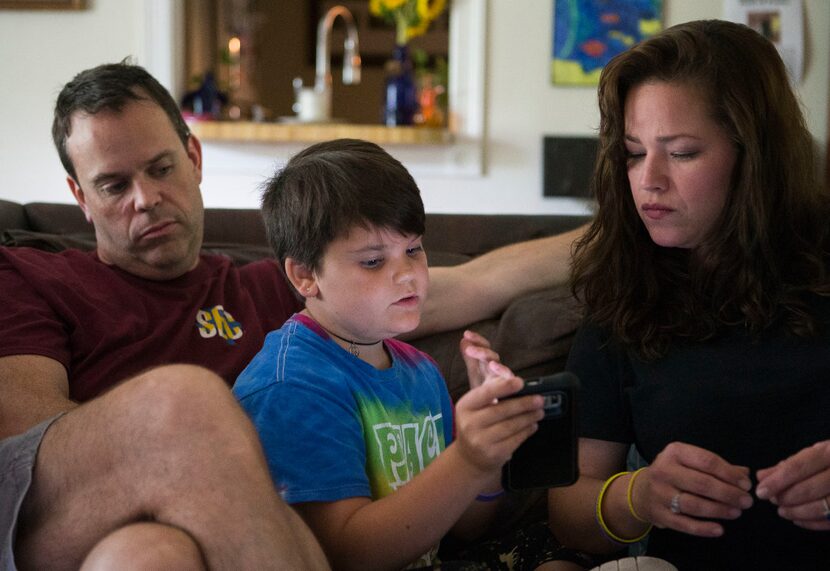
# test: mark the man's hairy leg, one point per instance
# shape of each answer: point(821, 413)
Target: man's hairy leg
point(170, 446)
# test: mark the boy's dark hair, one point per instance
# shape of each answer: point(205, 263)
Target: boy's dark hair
point(329, 188)
point(109, 87)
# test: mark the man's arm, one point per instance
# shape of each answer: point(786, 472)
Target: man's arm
point(484, 286)
point(32, 389)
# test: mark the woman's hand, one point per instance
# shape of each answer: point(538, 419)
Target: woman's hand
point(477, 353)
point(686, 485)
point(800, 486)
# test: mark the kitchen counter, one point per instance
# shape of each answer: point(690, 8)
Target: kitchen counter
point(295, 132)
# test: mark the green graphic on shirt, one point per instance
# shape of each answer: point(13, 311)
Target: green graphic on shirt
point(399, 444)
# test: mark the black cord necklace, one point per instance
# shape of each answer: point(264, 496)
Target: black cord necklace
point(353, 345)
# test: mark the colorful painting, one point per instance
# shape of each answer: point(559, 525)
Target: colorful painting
point(588, 33)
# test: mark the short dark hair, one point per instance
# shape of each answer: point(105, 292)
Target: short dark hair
point(109, 87)
point(329, 188)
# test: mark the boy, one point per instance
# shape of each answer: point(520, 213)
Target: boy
point(357, 426)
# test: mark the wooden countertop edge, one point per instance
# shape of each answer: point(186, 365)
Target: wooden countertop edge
point(247, 131)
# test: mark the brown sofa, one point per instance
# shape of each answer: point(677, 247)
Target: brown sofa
point(532, 336)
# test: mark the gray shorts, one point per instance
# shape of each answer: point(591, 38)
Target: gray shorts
point(17, 461)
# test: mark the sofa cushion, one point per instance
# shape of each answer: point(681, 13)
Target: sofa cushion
point(57, 218)
point(475, 234)
point(533, 336)
point(232, 225)
point(12, 215)
point(239, 253)
point(48, 241)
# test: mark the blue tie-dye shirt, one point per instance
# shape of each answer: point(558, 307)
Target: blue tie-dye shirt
point(335, 427)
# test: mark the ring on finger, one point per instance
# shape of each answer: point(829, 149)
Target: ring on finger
point(826, 508)
point(674, 505)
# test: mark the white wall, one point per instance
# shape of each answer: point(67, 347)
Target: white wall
point(40, 51)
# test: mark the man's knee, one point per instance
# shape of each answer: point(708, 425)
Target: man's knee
point(178, 393)
point(179, 383)
point(185, 404)
point(145, 545)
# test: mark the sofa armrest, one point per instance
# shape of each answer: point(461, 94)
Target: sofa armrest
point(12, 216)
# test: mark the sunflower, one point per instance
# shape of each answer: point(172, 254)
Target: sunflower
point(411, 17)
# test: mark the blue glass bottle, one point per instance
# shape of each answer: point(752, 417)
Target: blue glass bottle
point(206, 102)
point(401, 101)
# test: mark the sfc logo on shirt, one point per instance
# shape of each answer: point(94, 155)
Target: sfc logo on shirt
point(216, 321)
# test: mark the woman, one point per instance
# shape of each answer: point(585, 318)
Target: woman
point(707, 338)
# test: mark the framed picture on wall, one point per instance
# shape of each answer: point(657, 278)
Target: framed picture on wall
point(588, 33)
point(42, 4)
point(780, 21)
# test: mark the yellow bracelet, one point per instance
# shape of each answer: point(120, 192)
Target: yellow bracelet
point(610, 534)
point(628, 496)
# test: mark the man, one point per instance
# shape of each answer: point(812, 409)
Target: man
point(159, 460)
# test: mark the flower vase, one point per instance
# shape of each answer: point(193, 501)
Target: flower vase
point(401, 101)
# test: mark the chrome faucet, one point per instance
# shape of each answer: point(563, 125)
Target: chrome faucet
point(320, 98)
point(351, 53)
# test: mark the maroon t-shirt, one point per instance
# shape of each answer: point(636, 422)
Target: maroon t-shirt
point(105, 325)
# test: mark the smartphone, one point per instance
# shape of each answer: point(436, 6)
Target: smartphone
point(548, 458)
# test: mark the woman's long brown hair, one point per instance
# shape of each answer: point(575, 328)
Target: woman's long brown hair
point(769, 246)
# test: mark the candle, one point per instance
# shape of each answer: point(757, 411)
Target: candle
point(234, 45)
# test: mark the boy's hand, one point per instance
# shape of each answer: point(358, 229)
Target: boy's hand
point(489, 429)
point(477, 353)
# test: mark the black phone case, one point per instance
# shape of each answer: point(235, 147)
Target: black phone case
point(548, 458)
